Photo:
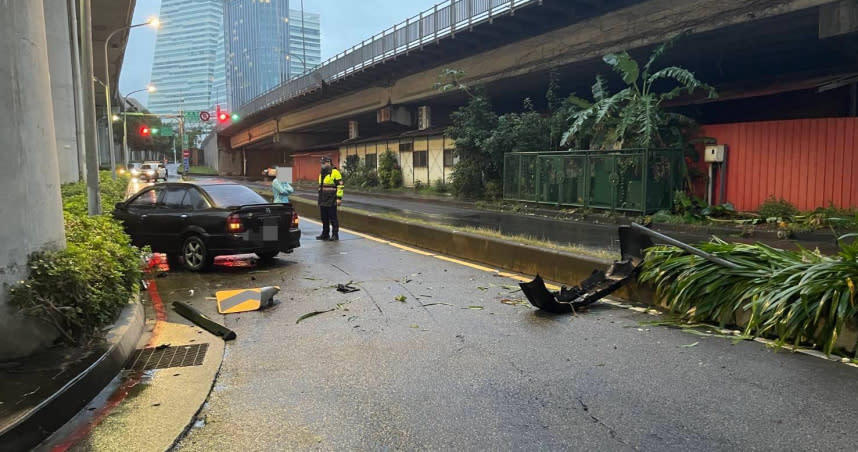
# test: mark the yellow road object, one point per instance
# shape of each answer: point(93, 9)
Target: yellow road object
point(244, 300)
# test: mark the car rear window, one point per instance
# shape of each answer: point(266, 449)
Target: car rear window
point(233, 195)
point(146, 167)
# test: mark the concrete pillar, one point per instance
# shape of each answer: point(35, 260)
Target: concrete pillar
point(29, 176)
point(62, 88)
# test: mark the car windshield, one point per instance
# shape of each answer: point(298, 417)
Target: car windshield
point(230, 195)
point(146, 167)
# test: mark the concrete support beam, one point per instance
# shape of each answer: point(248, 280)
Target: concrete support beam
point(62, 88)
point(838, 19)
point(29, 175)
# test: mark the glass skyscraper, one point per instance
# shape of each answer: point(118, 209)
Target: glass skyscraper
point(188, 69)
point(266, 43)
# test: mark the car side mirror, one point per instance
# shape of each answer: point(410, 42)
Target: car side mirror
point(120, 206)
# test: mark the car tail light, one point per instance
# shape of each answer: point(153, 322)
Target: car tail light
point(234, 224)
point(294, 220)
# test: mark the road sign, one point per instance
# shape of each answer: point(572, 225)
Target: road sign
point(205, 116)
point(186, 153)
point(192, 116)
point(186, 162)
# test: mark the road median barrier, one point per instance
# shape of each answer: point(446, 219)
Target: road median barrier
point(552, 265)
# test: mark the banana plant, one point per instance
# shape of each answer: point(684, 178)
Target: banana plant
point(634, 116)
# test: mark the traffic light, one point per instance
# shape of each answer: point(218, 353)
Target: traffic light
point(145, 131)
point(224, 117)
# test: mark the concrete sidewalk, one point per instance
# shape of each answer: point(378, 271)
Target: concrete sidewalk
point(145, 408)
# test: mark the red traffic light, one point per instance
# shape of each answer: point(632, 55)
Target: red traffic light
point(145, 131)
point(222, 115)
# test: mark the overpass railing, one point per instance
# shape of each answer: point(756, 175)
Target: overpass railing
point(441, 21)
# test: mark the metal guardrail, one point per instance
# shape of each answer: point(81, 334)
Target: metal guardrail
point(441, 21)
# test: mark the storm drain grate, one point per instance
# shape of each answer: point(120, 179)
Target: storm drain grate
point(166, 357)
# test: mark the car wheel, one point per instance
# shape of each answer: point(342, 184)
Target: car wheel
point(267, 255)
point(195, 254)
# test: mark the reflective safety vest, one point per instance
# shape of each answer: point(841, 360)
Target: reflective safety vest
point(330, 188)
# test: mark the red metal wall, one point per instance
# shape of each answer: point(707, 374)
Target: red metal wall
point(305, 167)
point(808, 162)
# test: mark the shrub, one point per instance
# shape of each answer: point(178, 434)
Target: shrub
point(82, 288)
point(441, 186)
point(467, 181)
point(493, 191)
point(395, 179)
point(76, 201)
point(418, 185)
point(389, 172)
point(777, 208)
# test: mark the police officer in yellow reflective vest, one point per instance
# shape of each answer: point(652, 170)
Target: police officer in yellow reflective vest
point(330, 196)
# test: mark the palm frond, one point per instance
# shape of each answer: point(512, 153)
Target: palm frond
point(623, 64)
point(600, 88)
point(796, 297)
point(685, 78)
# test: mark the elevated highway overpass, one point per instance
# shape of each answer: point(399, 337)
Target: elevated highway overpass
point(744, 47)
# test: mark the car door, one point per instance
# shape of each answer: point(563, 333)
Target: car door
point(138, 211)
point(169, 219)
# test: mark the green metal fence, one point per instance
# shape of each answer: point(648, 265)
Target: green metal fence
point(629, 180)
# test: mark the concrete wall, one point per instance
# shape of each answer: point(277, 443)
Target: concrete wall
point(62, 88)
point(230, 163)
point(29, 176)
point(210, 151)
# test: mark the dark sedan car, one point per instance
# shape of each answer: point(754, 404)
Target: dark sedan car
point(198, 221)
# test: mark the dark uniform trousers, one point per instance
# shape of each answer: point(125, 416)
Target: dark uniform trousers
point(330, 190)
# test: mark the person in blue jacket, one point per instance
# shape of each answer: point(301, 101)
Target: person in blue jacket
point(282, 190)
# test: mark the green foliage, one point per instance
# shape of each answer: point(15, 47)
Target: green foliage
point(472, 125)
point(440, 186)
point(82, 288)
point(796, 296)
point(389, 172)
point(75, 199)
point(357, 174)
point(777, 208)
point(634, 116)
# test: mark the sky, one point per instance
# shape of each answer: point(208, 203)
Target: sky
point(344, 24)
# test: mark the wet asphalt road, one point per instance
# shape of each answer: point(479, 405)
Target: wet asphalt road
point(454, 368)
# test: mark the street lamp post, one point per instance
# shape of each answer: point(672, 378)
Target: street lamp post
point(125, 159)
point(289, 65)
point(152, 22)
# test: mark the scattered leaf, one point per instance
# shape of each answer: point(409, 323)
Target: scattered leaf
point(482, 288)
point(690, 345)
point(439, 303)
point(311, 314)
point(401, 298)
point(311, 278)
point(476, 308)
point(518, 302)
point(414, 325)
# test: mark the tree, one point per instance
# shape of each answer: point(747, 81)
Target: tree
point(634, 116)
point(472, 125)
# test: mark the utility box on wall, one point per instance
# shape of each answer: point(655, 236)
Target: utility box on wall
point(715, 153)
